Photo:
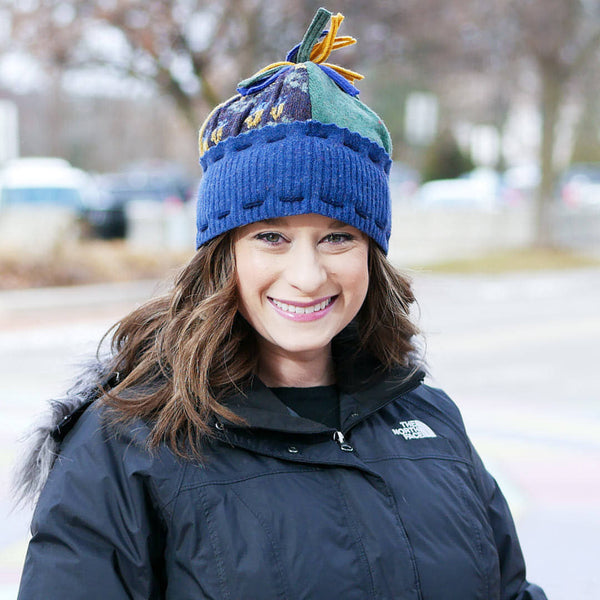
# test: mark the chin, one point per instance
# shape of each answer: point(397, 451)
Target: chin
point(301, 346)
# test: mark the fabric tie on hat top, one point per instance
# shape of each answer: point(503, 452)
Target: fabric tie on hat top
point(296, 140)
point(310, 50)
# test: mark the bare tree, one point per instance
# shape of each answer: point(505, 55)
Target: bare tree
point(191, 51)
point(560, 37)
point(194, 50)
point(491, 42)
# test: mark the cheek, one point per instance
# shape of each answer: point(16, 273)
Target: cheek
point(362, 284)
point(253, 275)
point(356, 278)
point(243, 267)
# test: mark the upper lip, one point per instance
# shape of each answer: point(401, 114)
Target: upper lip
point(302, 304)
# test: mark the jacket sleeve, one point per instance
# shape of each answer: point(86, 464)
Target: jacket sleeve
point(514, 585)
point(95, 532)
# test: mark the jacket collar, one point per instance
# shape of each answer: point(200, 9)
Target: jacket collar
point(359, 397)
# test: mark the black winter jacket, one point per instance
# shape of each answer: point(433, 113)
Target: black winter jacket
point(396, 505)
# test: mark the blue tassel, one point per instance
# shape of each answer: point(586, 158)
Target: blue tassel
point(291, 55)
point(341, 81)
point(261, 85)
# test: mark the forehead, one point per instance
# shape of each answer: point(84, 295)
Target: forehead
point(311, 219)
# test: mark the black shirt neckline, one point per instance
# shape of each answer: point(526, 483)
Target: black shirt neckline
point(318, 403)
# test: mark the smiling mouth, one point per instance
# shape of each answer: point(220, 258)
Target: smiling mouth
point(294, 309)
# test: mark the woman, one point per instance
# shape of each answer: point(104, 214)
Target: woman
point(263, 431)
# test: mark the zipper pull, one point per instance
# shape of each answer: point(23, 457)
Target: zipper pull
point(338, 436)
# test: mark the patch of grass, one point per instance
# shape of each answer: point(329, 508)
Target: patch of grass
point(523, 259)
point(87, 261)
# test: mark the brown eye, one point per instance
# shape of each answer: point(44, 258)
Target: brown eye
point(337, 238)
point(270, 237)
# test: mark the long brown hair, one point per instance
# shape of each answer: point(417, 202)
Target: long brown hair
point(180, 355)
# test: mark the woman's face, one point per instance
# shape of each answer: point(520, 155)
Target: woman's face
point(301, 280)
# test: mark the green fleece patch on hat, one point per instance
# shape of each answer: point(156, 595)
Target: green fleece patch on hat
point(330, 105)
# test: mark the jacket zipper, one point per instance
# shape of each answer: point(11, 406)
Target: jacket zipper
point(338, 436)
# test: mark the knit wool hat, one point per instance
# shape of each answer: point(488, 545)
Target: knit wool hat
point(296, 140)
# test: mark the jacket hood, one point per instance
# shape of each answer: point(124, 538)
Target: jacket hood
point(43, 440)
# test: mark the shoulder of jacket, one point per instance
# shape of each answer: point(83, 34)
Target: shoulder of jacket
point(43, 441)
point(436, 403)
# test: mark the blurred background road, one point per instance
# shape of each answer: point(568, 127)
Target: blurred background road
point(517, 352)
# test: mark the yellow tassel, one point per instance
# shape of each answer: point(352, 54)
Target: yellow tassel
point(282, 63)
point(351, 76)
point(341, 42)
point(323, 49)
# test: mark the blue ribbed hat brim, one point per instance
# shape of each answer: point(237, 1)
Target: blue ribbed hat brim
point(291, 169)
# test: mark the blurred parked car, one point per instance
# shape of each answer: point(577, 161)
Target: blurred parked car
point(155, 182)
point(579, 186)
point(481, 188)
point(44, 181)
point(520, 183)
point(41, 200)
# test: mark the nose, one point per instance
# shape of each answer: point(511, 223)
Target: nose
point(305, 269)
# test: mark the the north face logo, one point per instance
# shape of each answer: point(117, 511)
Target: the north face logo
point(414, 430)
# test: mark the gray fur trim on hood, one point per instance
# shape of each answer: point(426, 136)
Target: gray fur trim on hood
point(43, 440)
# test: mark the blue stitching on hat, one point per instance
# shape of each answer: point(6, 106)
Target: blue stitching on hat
point(252, 204)
point(276, 138)
point(203, 227)
point(242, 146)
point(352, 145)
point(375, 156)
point(361, 213)
point(235, 144)
point(318, 133)
point(331, 202)
point(223, 214)
point(217, 156)
point(291, 198)
point(380, 224)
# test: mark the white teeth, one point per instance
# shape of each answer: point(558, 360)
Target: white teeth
point(302, 310)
